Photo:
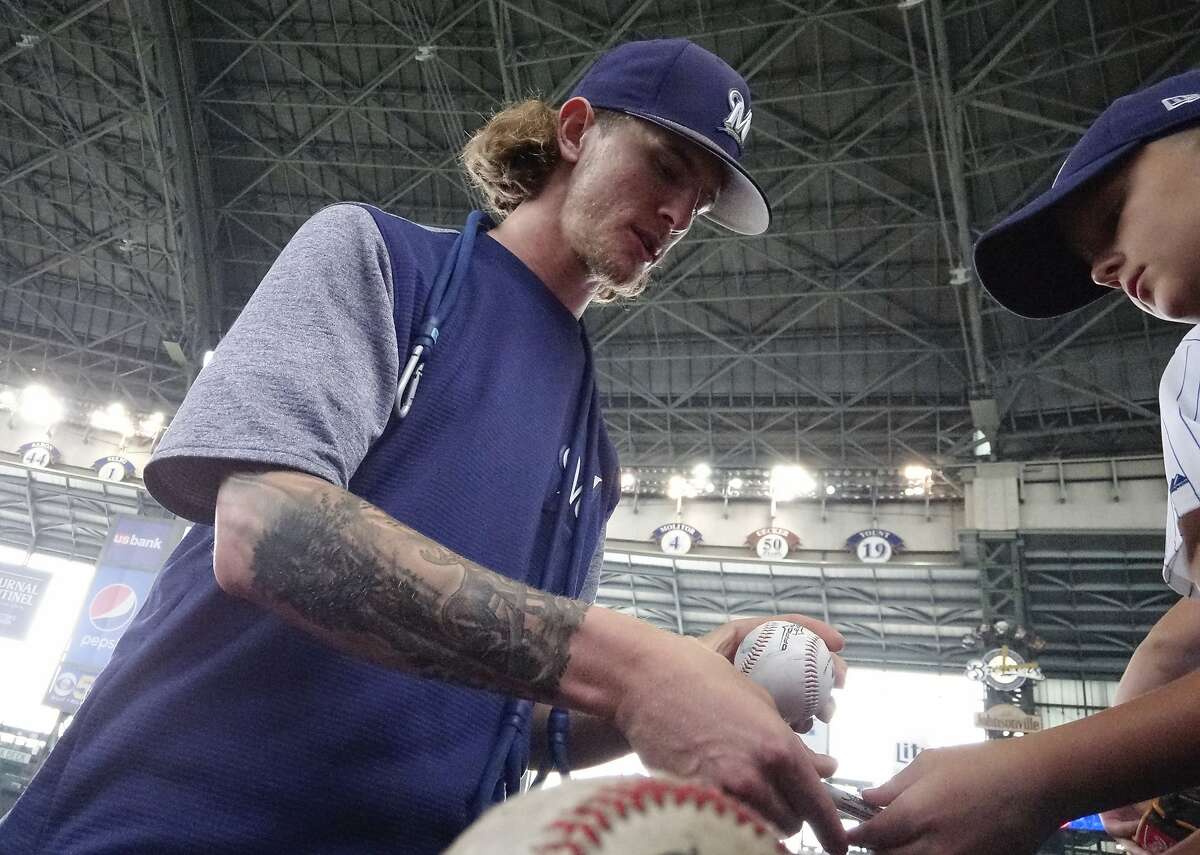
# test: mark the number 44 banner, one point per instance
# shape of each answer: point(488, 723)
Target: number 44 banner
point(874, 545)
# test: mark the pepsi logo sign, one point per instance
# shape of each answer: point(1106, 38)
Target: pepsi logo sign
point(113, 607)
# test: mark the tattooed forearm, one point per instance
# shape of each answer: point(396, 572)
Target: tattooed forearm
point(348, 568)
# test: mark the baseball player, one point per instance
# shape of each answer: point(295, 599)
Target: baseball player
point(1123, 214)
point(400, 480)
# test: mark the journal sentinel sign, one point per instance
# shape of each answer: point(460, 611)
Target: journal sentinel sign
point(134, 553)
point(21, 591)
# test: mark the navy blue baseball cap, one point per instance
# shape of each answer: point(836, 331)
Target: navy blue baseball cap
point(1024, 261)
point(680, 86)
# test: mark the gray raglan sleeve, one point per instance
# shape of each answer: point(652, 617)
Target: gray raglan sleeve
point(591, 583)
point(306, 377)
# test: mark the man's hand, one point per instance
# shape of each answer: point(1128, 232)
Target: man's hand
point(969, 800)
point(687, 712)
point(726, 639)
point(1121, 824)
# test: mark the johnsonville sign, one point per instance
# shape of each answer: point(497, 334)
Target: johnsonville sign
point(773, 543)
point(1008, 717)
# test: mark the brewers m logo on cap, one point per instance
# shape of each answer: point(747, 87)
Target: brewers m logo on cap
point(737, 123)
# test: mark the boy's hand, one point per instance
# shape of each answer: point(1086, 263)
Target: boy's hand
point(970, 800)
point(1121, 824)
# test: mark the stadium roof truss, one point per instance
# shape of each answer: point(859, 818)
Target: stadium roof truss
point(155, 157)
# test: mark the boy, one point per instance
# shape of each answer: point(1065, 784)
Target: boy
point(1123, 213)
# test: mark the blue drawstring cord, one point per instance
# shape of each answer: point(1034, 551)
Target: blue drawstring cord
point(558, 737)
point(442, 297)
point(509, 759)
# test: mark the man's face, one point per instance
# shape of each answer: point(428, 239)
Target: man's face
point(1139, 228)
point(634, 194)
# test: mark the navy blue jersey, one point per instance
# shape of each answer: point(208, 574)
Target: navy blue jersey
point(217, 727)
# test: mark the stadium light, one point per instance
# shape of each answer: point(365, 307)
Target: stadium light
point(41, 407)
point(678, 487)
point(150, 425)
point(113, 418)
point(788, 482)
point(917, 472)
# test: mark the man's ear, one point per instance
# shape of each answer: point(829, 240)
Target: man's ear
point(574, 118)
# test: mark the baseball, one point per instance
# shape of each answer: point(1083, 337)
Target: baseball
point(790, 662)
point(631, 815)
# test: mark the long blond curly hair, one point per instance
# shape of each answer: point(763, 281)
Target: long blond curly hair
point(511, 158)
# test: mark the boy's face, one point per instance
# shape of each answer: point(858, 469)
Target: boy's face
point(1138, 227)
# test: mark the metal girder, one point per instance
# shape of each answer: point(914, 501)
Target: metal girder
point(882, 156)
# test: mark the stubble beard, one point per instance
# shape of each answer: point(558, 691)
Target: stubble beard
point(604, 270)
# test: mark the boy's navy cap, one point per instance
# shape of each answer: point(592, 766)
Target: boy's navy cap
point(1024, 261)
point(682, 87)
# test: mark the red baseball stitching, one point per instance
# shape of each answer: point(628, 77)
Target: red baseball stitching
point(759, 647)
point(582, 831)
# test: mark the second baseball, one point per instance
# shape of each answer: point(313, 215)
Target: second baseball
point(793, 664)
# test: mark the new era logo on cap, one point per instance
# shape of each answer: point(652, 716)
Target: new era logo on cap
point(1177, 482)
point(1179, 100)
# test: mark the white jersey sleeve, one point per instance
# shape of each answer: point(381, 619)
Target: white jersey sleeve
point(1179, 410)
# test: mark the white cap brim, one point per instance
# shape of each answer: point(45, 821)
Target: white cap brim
point(742, 205)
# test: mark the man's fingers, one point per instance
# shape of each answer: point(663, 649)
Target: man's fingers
point(839, 672)
point(832, 638)
point(761, 796)
point(803, 788)
point(726, 638)
point(823, 764)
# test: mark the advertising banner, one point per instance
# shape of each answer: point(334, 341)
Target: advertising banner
point(136, 543)
point(134, 552)
point(111, 604)
point(21, 591)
